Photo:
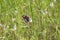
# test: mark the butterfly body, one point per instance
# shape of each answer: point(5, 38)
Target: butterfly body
point(27, 19)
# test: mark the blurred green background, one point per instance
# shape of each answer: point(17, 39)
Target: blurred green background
point(45, 15)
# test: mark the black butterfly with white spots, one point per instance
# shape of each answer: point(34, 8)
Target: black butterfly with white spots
point(27, 19)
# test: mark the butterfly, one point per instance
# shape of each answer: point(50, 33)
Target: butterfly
point(27, 19)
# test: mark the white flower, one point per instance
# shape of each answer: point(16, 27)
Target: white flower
point(4, 27)
point(52, 4)
point(13, 19)
point(1, 24)
point(2, 38)
point(14, 26)
point(16, 11)
point(54, 0)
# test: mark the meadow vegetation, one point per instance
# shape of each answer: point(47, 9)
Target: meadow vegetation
point(45, 16)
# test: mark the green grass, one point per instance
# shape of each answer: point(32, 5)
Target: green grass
point(44, 13)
